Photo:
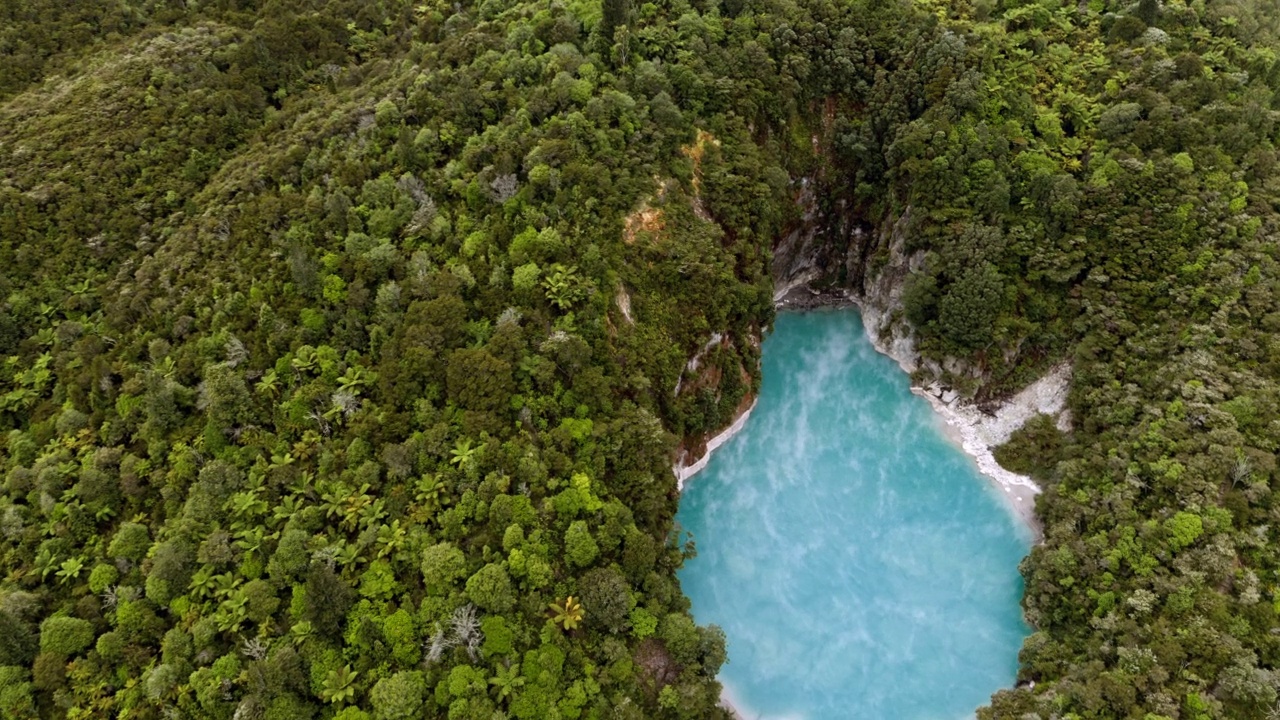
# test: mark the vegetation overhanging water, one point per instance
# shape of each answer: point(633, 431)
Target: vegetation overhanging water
point(858, 563)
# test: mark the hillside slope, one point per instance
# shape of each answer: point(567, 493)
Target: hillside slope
point(345, 343)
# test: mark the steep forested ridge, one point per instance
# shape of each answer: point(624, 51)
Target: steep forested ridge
point(346, 343)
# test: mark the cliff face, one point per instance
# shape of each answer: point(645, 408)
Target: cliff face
point(879, 293)
point(827, 248)
point(820, 261)
point(834, 257)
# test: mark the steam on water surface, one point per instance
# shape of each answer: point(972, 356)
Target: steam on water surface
point(858, 563)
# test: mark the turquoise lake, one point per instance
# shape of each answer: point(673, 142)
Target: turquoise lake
point(859, 564)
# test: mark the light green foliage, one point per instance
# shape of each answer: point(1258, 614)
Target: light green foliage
point(512, 537)
point(490, 588)
point(335, 289)
point(498, 638)
point(102, 577)
point(579, 546)
point(668, 698)
point(442, 565)
point(1184, 528)
point(399, 697)
point(109, 645)
point(17, 697)
point(379, 581)
point(542, 669)
point(402, 634)
point(524, 278)
point(577, 498)
point(536, 245)
point(65, 635)
point(643, 623)
point(463, 681)
point(581, 483)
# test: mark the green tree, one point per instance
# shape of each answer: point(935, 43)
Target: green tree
point(524, 279)
point(606, 598)
point(398, 697)
point(225, 396)
point(970, 307)
point(131, 541)
point(490, 588)
point(1184, 528)
point(477, 380)
point(499, 639)
point(402, 634)
point(327, 599)
point(65, 635)
point(579, 546)
point(172, 565)
point(442, 566)
point(17, 696)
point(17, 641)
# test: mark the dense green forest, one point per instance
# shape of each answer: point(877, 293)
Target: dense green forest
point(345, 342)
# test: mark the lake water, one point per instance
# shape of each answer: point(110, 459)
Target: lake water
point(859, 564)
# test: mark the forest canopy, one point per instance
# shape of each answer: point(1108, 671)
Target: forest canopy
point(346, 345)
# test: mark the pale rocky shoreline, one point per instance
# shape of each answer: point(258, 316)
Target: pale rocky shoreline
point(684, 473)
point(978, 432)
